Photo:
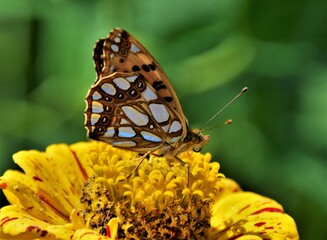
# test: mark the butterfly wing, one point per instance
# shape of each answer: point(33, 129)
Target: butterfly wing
point(125, 110)
point(121, 52)
point(132, 103)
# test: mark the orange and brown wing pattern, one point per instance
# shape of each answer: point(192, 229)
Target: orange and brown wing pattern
point(132, 103)
point(124, 110)
point(121, 52)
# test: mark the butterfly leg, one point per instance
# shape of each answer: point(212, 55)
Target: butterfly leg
point(141, 159)
point(187, 167)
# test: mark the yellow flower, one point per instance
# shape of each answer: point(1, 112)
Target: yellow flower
point(81, 192)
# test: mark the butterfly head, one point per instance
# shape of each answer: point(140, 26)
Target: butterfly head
point(196, 140)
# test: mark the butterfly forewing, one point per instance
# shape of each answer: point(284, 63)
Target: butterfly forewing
point(121, 52)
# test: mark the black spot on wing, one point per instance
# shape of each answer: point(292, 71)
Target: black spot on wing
point(168, 99)
point(108, 99)
point(132, 93)
point(123, 52)
point(104, 119)
point(97, 53)
point(139, 83)
point(135, 68)
point(145, 68)
point(121, 96)
point(107, 108)
point(159, 85)
point(124, 34)
point(152, 67)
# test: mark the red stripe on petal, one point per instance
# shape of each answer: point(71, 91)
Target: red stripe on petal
point(3, 185)
point(84, 173)
point(32, 228)
point(268, 210)
point(108, 231)
point(269, 227)
point(259, 224)
point(7, 219)
point(43, 233)
point(242, 209)
point(45, 200)
point(36, 178)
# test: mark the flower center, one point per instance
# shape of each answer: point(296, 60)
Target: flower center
point(155, 202)
point(177, 220)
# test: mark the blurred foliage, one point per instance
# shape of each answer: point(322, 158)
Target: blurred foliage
point(210, 50)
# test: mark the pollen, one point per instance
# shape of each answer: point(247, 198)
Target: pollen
point(156, 202)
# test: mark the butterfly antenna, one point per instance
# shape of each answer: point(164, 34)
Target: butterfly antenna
point(229, 103)
point(227, 122)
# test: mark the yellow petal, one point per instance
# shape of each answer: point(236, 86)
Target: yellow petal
point(87, 234)
point(15, 223)
point(22, 191)
point(52, 183)
point(226, 187)
point(245, 215)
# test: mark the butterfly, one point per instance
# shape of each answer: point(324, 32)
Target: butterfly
point(132, 105)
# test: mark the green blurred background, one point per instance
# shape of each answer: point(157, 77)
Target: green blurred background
point(210, 50)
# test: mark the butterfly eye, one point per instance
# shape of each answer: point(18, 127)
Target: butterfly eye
point(196, 149)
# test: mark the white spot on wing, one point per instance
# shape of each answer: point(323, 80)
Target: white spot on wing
point(117, 39)
point(111, 68)
point(123, 121)
point(124, 144)
point(126, 132)
point(175, 126)
point(135, 116)
point(112, 55)
point(96, 95)
point(134, 48)
point(159, 112)
point(150, 136)
point(109, 89)
point(165, 128)
point(132, 78)
point(122, 83)
point(114, 47)
point(110, 132)
point(174, 139)
point(148, 94)
point(95, 118)
point(97, 107)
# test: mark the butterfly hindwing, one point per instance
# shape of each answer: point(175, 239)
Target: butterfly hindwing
point(124, 110)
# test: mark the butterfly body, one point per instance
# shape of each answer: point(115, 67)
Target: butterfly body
point(132, 104)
